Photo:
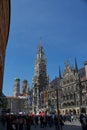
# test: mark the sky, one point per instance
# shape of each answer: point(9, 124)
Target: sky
point(62, 24)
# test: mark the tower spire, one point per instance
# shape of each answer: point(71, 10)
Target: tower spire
point(76, 66)
point(40, 51)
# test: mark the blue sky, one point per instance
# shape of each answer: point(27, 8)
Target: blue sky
point(62, 24)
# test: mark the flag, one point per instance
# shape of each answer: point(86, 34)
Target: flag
point(29, 100)
point(46, 94)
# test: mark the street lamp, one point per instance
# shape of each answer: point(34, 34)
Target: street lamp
point(57, 96)
point(80, 92)
point(57, 103)
point(11, 105)
point(86, 103)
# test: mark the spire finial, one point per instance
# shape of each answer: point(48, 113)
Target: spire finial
point(40, 40)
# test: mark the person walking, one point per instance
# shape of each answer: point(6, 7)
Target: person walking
point(28, 123)
point(61, 122)
point(83, 121)
point(56, 122)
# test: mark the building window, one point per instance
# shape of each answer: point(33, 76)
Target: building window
point(83, 102)
point(77, 103)
point(67, 81)
point(83, 87)
point(35, 90)
point(71, 97)
point(63, 97)
point(71, 79)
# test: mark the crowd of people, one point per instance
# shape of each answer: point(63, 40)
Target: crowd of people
point(14, 122)
point(20, 122)
point(24, 122)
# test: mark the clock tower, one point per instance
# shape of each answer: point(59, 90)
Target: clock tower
point(40, 79)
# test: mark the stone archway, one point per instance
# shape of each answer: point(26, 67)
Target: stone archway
point(74, 111)
point(83, 110)
point(70, 111)
point(66, 111)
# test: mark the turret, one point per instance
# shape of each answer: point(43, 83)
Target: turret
point(16, 91)
point(25, 88)
point(85, 64)
point(76, 66)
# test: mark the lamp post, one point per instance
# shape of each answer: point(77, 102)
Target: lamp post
point(86, 102)
point(57, 95)
point(11, 105)
point(80, 92)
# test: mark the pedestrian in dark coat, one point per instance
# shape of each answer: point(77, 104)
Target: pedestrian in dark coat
point(61, 122)
point(8, 121)
point(28, 123)
point(83, 121)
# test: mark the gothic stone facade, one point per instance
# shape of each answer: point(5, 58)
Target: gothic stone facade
point(72, 89)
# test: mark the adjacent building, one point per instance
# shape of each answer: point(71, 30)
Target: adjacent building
point(4, 32)
point(72, 90)
point(19, 102)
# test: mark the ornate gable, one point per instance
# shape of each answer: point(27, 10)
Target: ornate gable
point(68, 75)
point(68, 71)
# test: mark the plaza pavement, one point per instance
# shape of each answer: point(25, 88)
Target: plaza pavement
point(75, 122)
point(65, 127)
point(75, 125)
point(68, 126)
point(2, 127)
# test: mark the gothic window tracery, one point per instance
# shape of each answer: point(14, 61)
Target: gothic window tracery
point(83, 86)
point(52, 95)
